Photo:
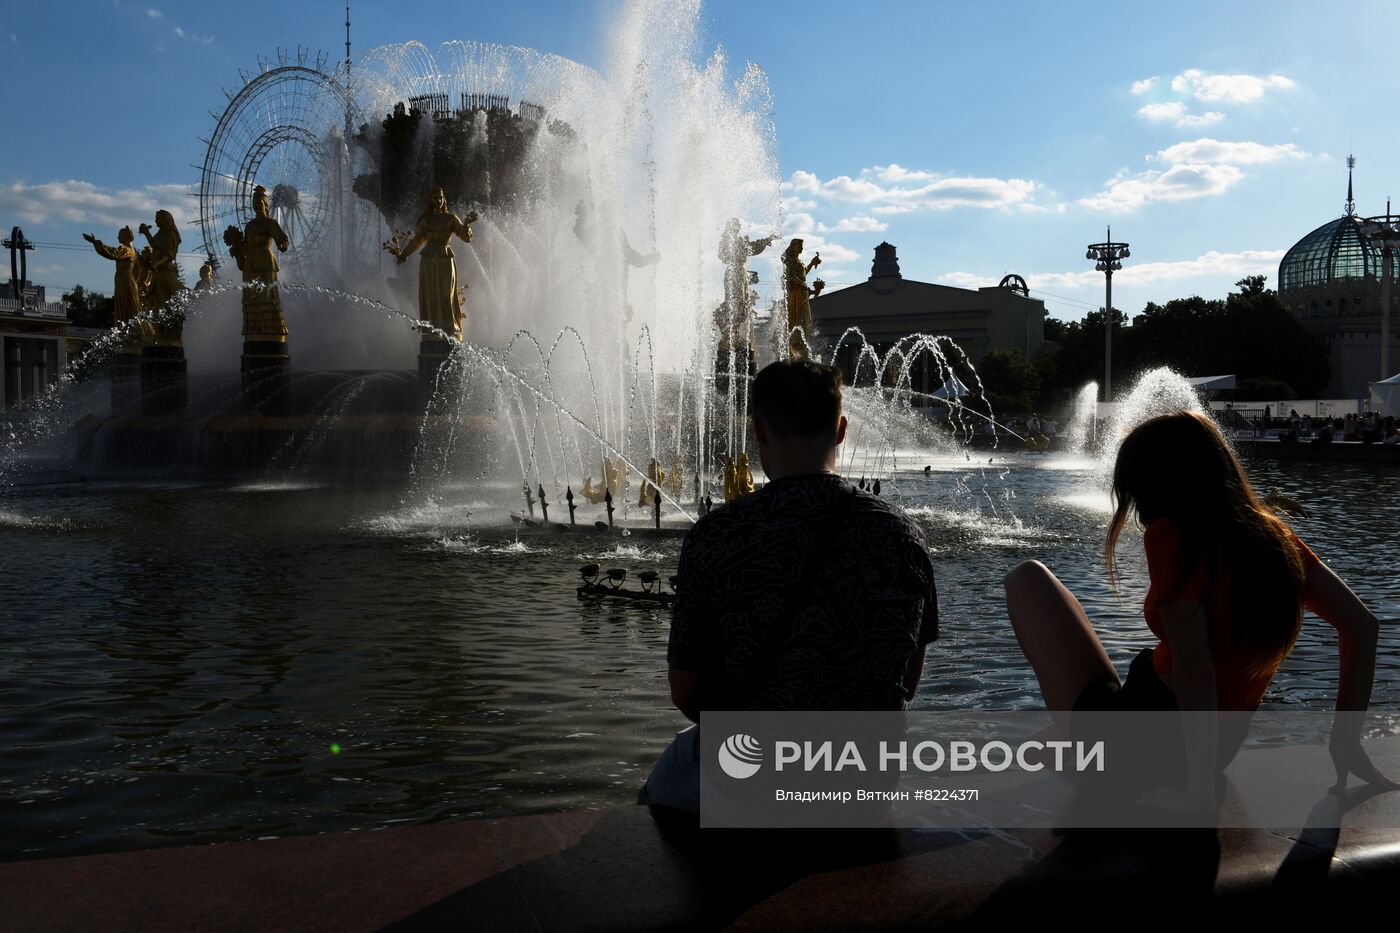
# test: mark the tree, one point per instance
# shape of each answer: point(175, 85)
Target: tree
point(1079, 358)
point(1268, 342)
point(88, 309)
point(1249, 333)
point(1010, 381)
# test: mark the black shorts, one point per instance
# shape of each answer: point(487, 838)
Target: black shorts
point(1154, 748)
point(1142, 689)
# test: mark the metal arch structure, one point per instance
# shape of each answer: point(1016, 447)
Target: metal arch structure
point(1015, 283)
point(18, 246)
point(284, 130)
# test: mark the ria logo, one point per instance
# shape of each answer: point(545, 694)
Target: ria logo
point(740, 756)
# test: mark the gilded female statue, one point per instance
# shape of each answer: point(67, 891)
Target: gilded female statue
point(251, 248)
point(439, 302)
point(126, 296)
point(165, 247)
point(799, 309)
point(735, 319)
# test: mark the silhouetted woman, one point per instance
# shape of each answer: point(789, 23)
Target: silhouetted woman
point(1229, 581)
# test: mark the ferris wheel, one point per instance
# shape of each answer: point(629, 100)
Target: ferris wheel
point(284, 129)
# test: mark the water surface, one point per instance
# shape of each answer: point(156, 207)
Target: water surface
point(178, 659)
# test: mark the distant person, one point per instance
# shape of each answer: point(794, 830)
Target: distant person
point(806, 595)
point(1268, 412)
point(1370, 429)
point(1228, 584)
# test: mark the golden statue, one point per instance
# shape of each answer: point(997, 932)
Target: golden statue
point(738, 478)
point(799, 309)
point(163, 276)
point(656, 477)
point(743, 476)
point(734, 318)
point(144, 260)
point(674, 479)
point(206, 278)
point(439, 301)
point(251, 248)
point(614, 476)
point(594, 494)
point(126, 295)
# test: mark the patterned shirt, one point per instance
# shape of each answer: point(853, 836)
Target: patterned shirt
point(805, 595)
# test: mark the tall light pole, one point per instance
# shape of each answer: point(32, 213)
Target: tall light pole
point(1384, 231)
point(1107, 257)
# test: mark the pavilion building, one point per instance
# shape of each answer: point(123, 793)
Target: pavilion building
point(888, 308)
point(1331, 282)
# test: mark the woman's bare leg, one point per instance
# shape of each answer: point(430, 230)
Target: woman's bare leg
point(1056, 637)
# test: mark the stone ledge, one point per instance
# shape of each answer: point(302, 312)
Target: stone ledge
point(618, 870)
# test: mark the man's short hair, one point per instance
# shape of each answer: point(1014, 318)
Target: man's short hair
point(797, 398)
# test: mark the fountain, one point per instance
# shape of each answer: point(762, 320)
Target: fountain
point(1082, 434)
point(593, 206)
point(243, 541)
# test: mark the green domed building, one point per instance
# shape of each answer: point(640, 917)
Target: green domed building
point(1331, 281)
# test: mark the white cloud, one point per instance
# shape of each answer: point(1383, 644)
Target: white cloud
point(1236, 89)
point(894, 173)
point(75, 201)
point(1196, 169)
point(798, 204)
point(940, 194)
point(1228, 153)
point(1173, 110)
point(1128, 191)
point(192, 36)
point(809, 230)
point(857, 224)
point(1196, 120)
point(1214, 263)
point(1143, 86)
point(966, 280)
point(919, 191)
point(153, 13)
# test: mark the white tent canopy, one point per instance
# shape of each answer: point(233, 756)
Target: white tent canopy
point(1385, 396)
point(952, 388)
point(1213, 383)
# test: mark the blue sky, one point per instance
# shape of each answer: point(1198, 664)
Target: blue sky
point(979, 138)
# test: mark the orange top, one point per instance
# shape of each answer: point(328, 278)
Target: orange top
point(1235, 689)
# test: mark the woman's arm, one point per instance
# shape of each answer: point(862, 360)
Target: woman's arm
point(1357, 634)
point(403, 253)
point(1193, 682)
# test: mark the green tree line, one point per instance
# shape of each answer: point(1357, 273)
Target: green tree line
point(1249, 333)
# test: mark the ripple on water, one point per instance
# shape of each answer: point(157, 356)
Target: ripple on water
point(623, 552)
point(948, 528)
point(33, 522)
point(427, 517)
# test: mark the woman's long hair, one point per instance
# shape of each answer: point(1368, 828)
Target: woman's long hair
point(1180, 466)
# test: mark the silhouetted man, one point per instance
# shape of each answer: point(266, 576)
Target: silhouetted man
point(808, 594)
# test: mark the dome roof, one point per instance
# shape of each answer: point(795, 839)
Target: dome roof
point(1333, 252)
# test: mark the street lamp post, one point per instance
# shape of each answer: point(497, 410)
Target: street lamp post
point(1384, 231)
point(1107, 257)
